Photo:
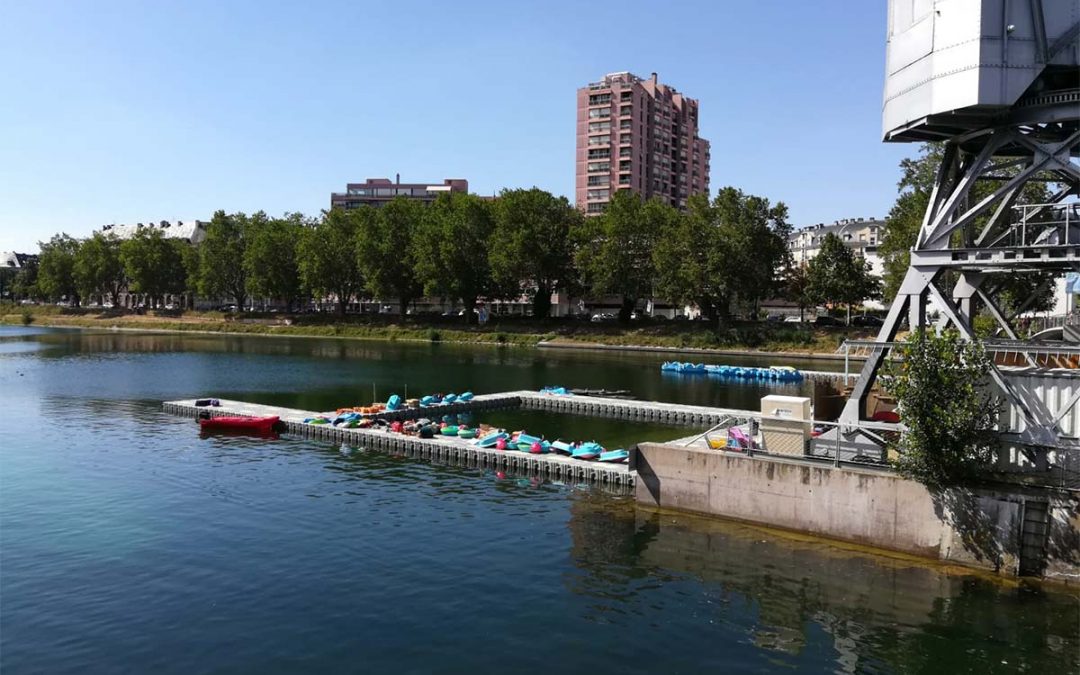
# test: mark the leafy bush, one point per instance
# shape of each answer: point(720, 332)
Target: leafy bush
point(27, 317)
point(942, 386)
point(434, 335)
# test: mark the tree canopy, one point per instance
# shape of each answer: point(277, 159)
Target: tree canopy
point(270, 261)
point(615, 249)
point(327, 256)
point(386, 253)
point(697, 254)
point(222, 271)
point(56, 269)
point(757, 233)
point(835, 276)
point(530, 249)
point(451, 250)
point(154, 265)
point(98, 267)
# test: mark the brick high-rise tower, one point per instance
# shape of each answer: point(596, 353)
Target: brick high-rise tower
point(640, 135)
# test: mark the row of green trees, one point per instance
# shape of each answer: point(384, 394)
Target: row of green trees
point(723, 255)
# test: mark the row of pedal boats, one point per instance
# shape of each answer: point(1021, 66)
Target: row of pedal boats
point(523, 442)
point(481, 436)
point(776, 373)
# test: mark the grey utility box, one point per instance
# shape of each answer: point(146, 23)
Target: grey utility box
point(785, 425)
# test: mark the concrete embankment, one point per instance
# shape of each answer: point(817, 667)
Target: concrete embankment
point(1009, 530)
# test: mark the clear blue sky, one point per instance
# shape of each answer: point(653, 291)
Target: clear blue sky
point(137, 111)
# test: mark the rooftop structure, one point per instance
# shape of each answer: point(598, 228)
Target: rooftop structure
point(637, 134)
point(194, 231)
point(379, 191)
point(11, 259)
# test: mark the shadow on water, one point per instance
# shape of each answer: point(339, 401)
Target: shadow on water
point(792, 596)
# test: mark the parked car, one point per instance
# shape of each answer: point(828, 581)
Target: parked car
point(774, 318)
point(866, 321)
point(601, 316)
point(794, 318)
point(828, 321)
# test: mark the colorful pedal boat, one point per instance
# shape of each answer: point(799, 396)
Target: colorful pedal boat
point(562, 447)
point(588, 450)
point(614, 456)
point(489, 440)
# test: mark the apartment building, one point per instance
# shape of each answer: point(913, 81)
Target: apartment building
point(637, 134)
point(379, 191)
point(861, 235)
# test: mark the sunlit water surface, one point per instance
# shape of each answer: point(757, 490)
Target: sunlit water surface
point(128, 543)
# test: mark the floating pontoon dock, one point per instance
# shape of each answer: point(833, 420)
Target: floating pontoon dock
point(453, 449)
point(440, 448)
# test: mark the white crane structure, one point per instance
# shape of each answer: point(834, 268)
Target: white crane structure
point(998, 83)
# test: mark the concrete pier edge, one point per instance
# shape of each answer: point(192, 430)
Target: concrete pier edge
point(987, 527)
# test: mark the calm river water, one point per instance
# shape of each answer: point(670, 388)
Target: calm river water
point(130, 544)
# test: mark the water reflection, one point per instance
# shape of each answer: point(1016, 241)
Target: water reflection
point(794, 596)
point(347, 370)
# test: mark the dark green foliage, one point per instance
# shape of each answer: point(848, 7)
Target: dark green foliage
point(270, 261)
point(530, 249)
point(98, 268)
point(943, 390)
point(756, 233)
point(7, 280)
point(24, 284)
point(451, 250)
point(900, 232)
point(222, 272)
point(698, 254)
point(154, 265)
point(56, 269)
point(835, 276)
point(327, 256)
point(692, 260)
point(615, 249)
point(796, 287)
point(385, 251)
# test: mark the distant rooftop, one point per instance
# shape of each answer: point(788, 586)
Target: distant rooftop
point(843, 222)
point(193, 230)
point(16, 260)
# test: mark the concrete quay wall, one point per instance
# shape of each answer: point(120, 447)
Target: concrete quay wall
point(1005, 529)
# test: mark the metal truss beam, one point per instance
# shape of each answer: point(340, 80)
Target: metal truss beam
point(1031, 152)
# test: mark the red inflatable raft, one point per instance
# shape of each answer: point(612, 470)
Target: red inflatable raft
point(257, 424)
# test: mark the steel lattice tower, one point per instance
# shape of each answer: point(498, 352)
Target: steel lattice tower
point(998, 82)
